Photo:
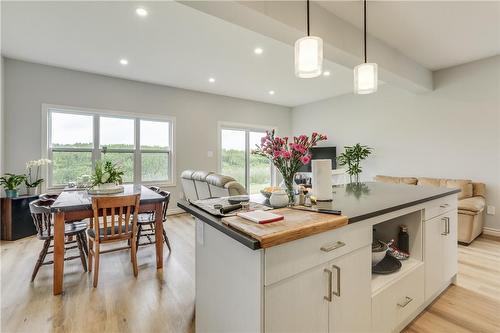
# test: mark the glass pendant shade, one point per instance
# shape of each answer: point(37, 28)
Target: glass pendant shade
point(308, 57)
point(365, 78)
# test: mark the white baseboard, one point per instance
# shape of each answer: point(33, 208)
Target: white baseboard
point(174, 211)
point(491, 231)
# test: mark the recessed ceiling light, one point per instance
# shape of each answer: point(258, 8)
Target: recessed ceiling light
point(211, 80)
point(141, 12)
point(326, 73)
point(258, 50)
point(271, 92)
point(124, 62)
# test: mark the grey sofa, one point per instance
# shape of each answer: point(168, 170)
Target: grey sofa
point(202, 185)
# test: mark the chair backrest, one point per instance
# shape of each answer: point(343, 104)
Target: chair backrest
point(155, 189)
point(48, 196)
point(41, 215)
point(165, 204)
point(116, 212)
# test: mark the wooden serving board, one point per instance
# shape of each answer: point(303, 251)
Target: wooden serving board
point(297, 224)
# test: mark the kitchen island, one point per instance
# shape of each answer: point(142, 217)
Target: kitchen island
point(322, 281)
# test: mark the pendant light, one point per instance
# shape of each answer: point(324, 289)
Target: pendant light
point(365, 75)
point(308, 54)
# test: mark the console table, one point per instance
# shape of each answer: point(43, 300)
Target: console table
point(16, 217)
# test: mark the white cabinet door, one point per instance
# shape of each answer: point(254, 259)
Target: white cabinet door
point(441, 251)
point(433, 255)
point(450, 247)
point(298, 304)
point(350, 310)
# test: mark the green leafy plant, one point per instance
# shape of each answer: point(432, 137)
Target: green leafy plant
point(11, 181)
point(106, 172)
point(352, 157)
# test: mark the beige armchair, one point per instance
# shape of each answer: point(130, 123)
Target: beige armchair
point(471, 201)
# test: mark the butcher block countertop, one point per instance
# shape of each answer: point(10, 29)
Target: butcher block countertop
point(356, 203)
point(296, 224)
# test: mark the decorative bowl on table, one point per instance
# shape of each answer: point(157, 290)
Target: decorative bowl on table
point(107, 188)
point(269, 190)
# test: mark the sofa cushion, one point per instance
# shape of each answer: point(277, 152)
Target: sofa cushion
point(464, 185)
point(424, 181)
point(218, 180)
point(396, 180)
point(187, 174)
point(473, 204)
point(200, 175)
point(479, 190)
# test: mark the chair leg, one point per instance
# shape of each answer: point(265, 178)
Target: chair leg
point(96, 264)
point(133, 255)
point(91, 250)
point(85, 243)
point(80, 244)
point(139, 230)
point(166, 240)
point(41, 258)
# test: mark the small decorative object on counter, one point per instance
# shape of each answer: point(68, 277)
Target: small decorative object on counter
point(302, 197)
point(352, 157)
point(288, 156)
point(395, 252)
point(404, 239)
point(245, 206)
point(279, 199)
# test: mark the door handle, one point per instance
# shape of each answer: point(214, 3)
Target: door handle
point(331, 247)
point(330, 281)
point(337, 268)
point(405, 302)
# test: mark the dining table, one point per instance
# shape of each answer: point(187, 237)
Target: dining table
point(76, 205)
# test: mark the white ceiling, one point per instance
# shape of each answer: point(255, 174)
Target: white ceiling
point(436, 34)
point(174, 45)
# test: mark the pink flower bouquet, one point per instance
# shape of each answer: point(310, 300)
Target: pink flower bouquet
point(286, 156)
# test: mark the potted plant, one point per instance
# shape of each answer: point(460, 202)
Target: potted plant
point(10, 183)
point(352, 157)
point(106, 175)
point(288, 157)
point(32, 180)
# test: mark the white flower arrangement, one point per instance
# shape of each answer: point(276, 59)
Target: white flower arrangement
point(31, 181)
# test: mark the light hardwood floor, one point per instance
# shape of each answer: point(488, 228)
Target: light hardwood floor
point(164, 301)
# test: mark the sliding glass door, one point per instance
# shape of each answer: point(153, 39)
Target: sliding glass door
point(236, 160)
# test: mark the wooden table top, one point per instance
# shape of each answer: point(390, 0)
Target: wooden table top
point(81, 200)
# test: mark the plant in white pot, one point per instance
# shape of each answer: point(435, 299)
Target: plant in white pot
point(106, 176)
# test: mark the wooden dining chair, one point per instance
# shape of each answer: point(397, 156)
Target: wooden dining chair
point(118, 223)
point(73, 234)
point(146, 223)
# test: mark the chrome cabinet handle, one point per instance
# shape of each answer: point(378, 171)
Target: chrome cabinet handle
point(405, 302)
point(331, 247)
point(330, 281)
point(337, 268)
point(444, 205)
point(445, 226)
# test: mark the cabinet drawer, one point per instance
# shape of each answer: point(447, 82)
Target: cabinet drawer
point(297, 256)
point(440, 206)
point(394, 305)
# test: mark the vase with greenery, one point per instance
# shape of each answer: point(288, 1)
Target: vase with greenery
point(11, 183)
point(352, 157)
point(106, 175)
point(32, 179)
point(287, 156)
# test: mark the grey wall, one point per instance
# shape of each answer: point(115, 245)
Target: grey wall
point(451, 132)
point(28, 85)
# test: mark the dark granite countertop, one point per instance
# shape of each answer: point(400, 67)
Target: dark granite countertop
point(356, 202)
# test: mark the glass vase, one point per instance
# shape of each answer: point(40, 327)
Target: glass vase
point(290, 189)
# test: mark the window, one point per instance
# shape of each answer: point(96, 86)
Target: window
point(76, 139)
point(236, 160)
